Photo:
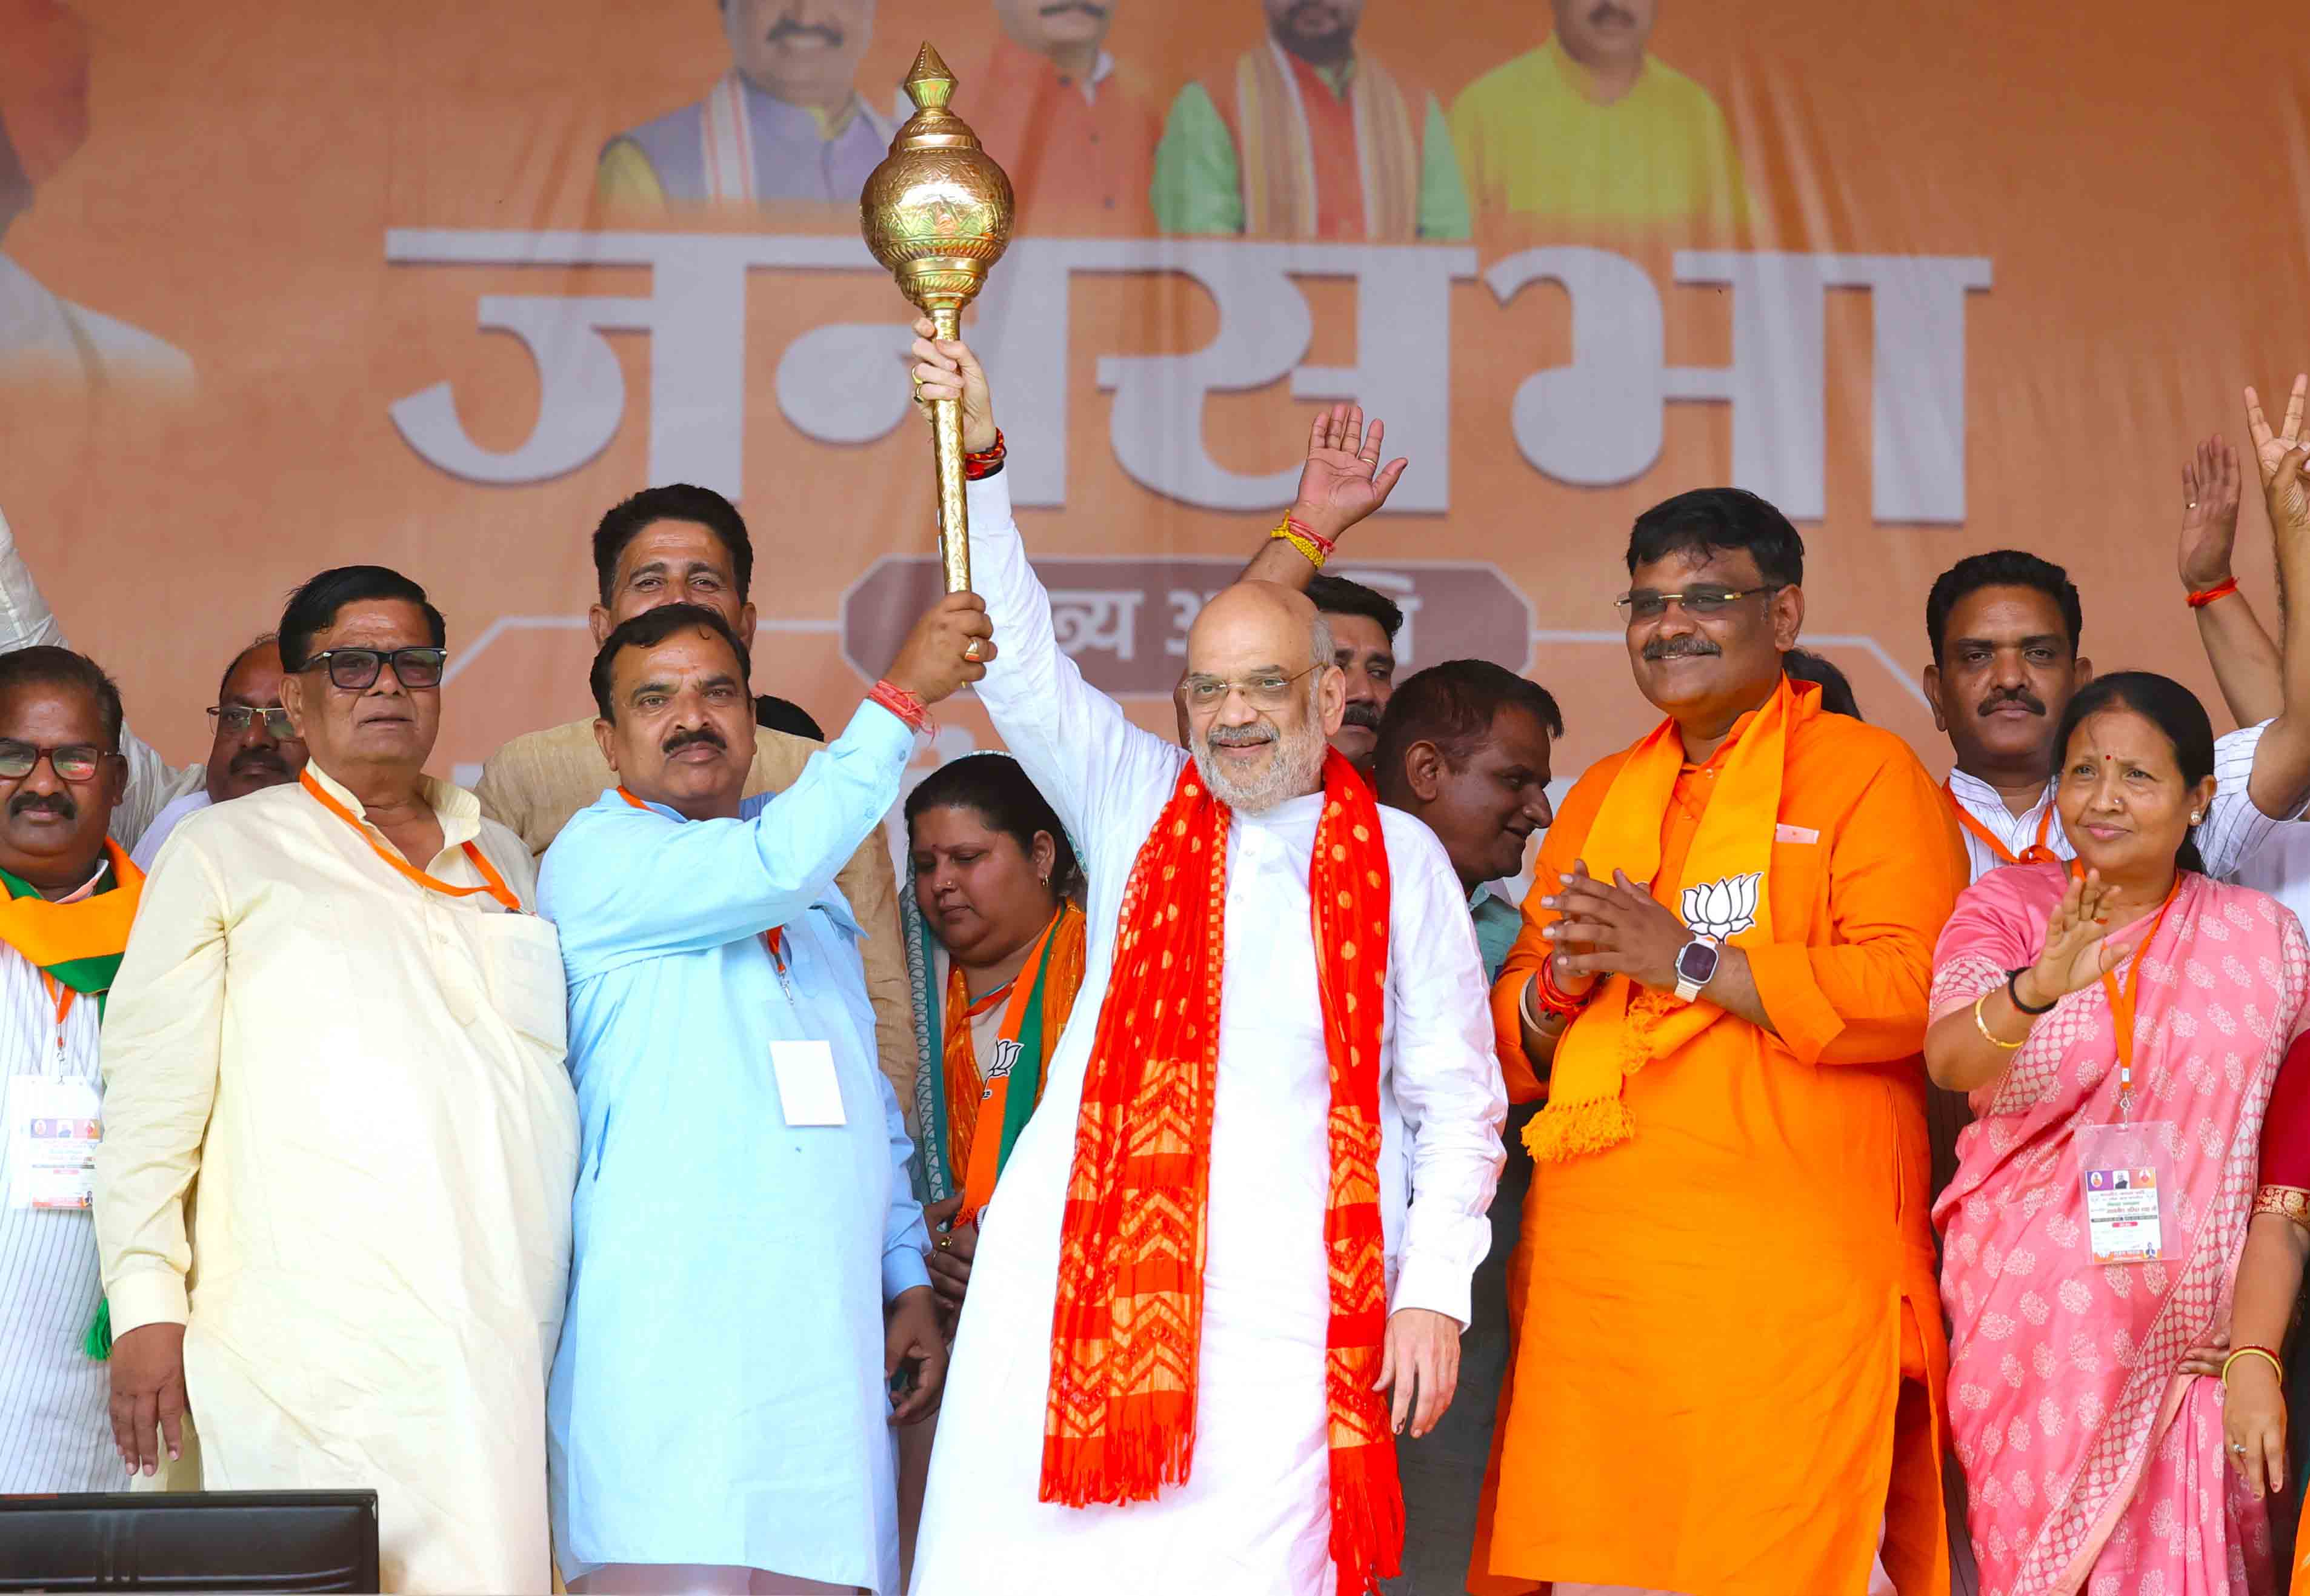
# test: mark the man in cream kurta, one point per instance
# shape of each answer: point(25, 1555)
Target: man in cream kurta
point(364, 1074)
point(1254, 1514)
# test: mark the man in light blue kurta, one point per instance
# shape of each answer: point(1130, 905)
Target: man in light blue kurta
point(720, 1399)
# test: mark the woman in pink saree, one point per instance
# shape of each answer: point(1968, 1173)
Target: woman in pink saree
point(2097, 1461)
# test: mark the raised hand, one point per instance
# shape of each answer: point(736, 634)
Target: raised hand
point(1344, 480)
point(2077, 951)
point(945, 368)
point(2210, 512)
point(937, 657)
point(2271, 447)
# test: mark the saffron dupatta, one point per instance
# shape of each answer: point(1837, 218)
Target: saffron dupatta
point(2085, 1450)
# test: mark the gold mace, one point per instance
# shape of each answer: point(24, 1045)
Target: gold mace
point(937, 213)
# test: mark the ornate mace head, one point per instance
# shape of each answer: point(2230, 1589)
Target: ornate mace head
point(938, 210)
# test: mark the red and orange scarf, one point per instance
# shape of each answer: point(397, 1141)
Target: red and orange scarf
point(1125, 1334)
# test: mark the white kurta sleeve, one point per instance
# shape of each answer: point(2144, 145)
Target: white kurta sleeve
point(2234, 828)
point(1073, 742)
point(1446, 1079)
point(163, 1041)
point(905, 1235)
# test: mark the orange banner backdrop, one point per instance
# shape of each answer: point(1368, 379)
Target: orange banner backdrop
point(298, 286)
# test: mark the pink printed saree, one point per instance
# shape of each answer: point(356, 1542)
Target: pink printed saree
point(2092, 1464)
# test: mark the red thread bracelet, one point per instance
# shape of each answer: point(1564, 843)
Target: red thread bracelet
point(902, 703)
point(2199, 601)
point(980, 463)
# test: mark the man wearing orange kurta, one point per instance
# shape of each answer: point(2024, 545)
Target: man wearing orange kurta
point(1074, 128)
point(1730, 1356)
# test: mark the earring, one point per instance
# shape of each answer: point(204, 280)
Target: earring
point(1047, 878)
point(2195, 816)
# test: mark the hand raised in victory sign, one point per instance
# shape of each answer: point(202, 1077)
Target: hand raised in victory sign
point(945, 368)
point(2283, 491)
point(1344, 480)
point(2077, 951)
point(2210, 512)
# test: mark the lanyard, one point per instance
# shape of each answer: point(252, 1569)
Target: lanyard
point(63, 997)
point(2121, 1003)
point(774, 939)
point(2036, 853)
point(492, 883)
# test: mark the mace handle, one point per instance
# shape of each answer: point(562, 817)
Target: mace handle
point(954, 508)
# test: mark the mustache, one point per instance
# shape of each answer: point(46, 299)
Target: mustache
point(59, 805)
point(1606, 11)
point(261, 758)
point(2021, 696)
point(1680, 648)
point(788, 29)
point(681, 739)
point(1239, 736)
point(1361, 714)
point(1061, 7)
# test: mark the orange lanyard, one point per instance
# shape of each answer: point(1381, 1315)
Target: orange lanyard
point(2121, 1002)
point(774, 939)
point(64, 995)
point(492, 883)
point(2036, 853)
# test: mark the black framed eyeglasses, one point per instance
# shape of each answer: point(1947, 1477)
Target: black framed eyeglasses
point(74, 762)
point(1645, 604)
point(237, 718)
point(355, 669)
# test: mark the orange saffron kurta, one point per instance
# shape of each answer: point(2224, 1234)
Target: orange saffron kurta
point(1730, 1355)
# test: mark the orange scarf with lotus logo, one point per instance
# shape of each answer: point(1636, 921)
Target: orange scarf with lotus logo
point(1126, 1327)
point(1726, 894)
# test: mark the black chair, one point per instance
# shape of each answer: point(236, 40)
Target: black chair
point(198, 1540)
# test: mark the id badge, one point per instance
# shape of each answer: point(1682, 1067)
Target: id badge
point(53, 1125)
point(2126, 1172)
point(809, 1091)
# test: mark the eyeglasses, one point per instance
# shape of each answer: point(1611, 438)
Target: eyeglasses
point(354, 669)
point(235, 718)
point(1270, 689)
point(1643, 605)
point(74, 762)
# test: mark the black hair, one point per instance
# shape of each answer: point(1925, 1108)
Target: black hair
point(2163, 702)
point(677, 501)
point(313, 608)
point(998, 788)
point(783, 715)
point(647, 630)
point(2000, 567)
point(1336, 595)
point(1803, 664)
point(1707, 519)
point(50, 666)
point(1454, 705)
point(267, 641)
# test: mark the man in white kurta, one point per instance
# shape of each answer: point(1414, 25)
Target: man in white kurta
point(362, 1071)
point(1255, 1514)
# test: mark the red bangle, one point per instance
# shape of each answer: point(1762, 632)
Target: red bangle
point(980, 463)
point(2199, 601)
point(1554, 999)
point(902, 703)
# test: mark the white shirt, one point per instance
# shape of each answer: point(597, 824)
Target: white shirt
point(1254, 1514)
point(148, 846)
point(2232, 830)
point(56, 1432)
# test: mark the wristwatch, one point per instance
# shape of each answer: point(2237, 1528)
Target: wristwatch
point(1695, 966)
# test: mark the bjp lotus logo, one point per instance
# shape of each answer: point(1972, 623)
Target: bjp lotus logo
point(1724, 908)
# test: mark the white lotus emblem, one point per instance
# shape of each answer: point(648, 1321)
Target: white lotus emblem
point(1724, 908)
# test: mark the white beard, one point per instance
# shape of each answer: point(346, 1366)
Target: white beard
point(1296, 770)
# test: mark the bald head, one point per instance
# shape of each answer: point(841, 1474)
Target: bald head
point(1254, 624)
point(1262, 696)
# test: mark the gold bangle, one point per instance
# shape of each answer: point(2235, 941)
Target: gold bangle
point(2263, 1353)
point(1982, 1025)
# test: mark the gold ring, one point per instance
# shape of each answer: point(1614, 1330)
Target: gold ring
point(918, 390)
point(945, 1241)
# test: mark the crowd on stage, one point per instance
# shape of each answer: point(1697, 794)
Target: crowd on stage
point(1240, 1161)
